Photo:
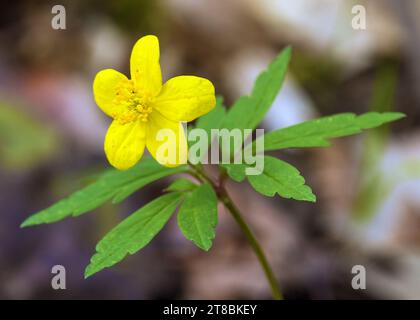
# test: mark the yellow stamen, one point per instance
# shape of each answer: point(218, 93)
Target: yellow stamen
point(135, 104)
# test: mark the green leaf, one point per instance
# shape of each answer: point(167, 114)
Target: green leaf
point(133, 233)
point(282, 178)
point(315, 133)
point(249, 111)
point(213, 119)
point(112, 184)
point(197, 217)
point(153, 173)
point(277, 177)
point(235, 170)
point(181, 185)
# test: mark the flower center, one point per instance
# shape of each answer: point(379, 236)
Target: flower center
point(135, 104)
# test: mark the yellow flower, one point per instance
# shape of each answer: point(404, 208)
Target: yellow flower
point(141, 107)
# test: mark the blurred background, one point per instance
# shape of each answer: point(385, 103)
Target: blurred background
point(368, 186)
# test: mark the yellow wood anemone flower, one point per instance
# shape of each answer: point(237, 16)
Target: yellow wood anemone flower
point(143, 108)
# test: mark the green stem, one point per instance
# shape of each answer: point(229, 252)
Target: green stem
point(230, 205)
point(254, 244)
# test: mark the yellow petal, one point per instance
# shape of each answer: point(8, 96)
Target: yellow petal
point(105, 87)
point(145, 67)
point(185, 98)
point(166, 140)
point(124, 143)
